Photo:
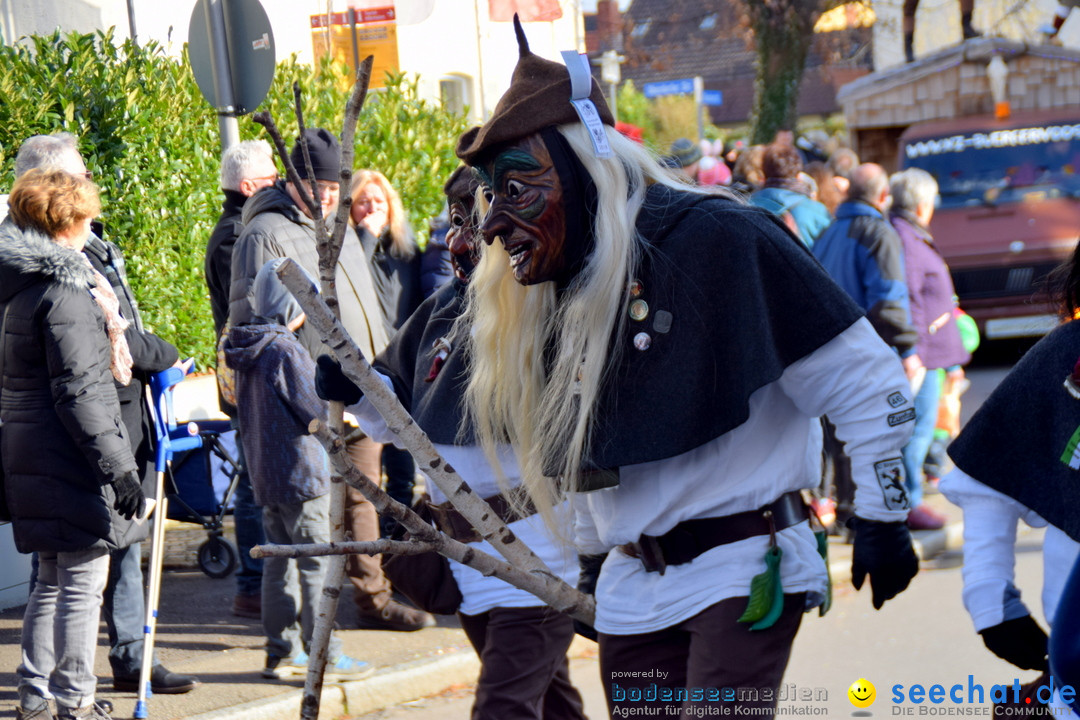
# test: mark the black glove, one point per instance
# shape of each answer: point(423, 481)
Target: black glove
point(331, 383)
point(130, 500)
point(590, 573)
point(883, 551)
point(1020, 641)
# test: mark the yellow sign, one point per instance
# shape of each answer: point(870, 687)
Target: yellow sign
point(373, 31)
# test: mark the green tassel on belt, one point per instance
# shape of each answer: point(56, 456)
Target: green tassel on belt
point(766, 593)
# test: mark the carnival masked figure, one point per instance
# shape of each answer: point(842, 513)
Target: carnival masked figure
point(661, 353)
point(522, 643)
point(1016, 459)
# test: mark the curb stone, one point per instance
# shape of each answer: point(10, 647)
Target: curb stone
point(393, 686)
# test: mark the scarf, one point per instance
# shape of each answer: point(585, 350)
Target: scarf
point(120, 361)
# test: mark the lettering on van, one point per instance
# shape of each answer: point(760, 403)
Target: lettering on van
point(996, 139)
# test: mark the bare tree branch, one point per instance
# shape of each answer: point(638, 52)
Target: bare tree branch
point(348, 135)
point(372, 547)
point(554, 591)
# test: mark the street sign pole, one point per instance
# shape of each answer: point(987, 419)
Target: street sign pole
point(355, 41)
point(214, 11)
point(699, 107)
point(611, 74)
point(231, 49)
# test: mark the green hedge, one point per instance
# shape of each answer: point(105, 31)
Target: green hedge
point(152, 143)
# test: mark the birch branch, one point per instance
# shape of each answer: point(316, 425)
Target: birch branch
point(539, 581)
point(353, 107)
point(329, 249)
point(553, 591)
point(265, 119)
point(376, 547)
point(312, 199)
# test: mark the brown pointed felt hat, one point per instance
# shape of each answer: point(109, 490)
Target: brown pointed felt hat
point(539, 96)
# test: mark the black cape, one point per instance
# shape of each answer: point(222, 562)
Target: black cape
point(437, 406)
point(733, 299)
point(1021, 440)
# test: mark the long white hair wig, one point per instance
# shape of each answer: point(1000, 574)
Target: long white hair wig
point(538, 360)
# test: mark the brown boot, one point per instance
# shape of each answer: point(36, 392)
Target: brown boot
point(247, 606)
point(396, 616)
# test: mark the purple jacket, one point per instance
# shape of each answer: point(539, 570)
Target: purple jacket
point(931, 295)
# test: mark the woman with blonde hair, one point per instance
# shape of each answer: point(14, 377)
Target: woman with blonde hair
point(395, 261)
point(72, 485)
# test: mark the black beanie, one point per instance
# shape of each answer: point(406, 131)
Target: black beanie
point(325, 152)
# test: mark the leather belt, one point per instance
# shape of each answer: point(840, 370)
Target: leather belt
point(691, 538)
point(454, 524)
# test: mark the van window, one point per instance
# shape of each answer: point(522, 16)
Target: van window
point(1000, 166)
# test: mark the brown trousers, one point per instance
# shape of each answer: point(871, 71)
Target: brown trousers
point(523, 670)
point(711, 650)
point(371, 588)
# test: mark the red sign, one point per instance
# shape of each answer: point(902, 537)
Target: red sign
point(375, 15)
point(527, 10)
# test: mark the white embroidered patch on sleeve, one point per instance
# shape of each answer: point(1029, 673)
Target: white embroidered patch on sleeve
point(890, 476)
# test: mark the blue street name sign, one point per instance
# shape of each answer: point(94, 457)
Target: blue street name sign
point(668, 87)
point(712, 97)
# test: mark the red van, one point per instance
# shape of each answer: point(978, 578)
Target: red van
point(1009, 210)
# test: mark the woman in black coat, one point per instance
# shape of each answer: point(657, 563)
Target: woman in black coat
point(71, 483)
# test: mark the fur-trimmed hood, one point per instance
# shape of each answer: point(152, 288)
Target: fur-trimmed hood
point(27, 256)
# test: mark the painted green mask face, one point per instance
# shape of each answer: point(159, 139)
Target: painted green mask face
point(526, 212)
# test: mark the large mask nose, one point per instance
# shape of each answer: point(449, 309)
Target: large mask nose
point(495, 224)
point(458, 239)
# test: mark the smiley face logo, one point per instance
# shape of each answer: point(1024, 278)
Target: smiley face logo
point(862, 693)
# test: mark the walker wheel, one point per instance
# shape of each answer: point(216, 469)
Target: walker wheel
point(217, 557)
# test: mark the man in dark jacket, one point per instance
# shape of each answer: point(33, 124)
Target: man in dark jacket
point(246, 168)
point(864, 255)
point(124, 602)
point(277, 223)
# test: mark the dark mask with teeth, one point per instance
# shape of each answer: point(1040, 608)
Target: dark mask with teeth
point(461, 237)
point(542, 205)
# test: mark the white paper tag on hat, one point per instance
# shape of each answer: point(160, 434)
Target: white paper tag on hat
point(580, 89)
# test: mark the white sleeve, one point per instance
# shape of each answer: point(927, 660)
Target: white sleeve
point(859, 382)
point(369, 419)
point(990, 519)
point(586, 536)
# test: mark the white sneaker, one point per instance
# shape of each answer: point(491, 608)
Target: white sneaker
point(280, 668)
point(347, 668)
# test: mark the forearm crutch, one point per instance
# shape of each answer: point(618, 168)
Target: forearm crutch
point(171, 439)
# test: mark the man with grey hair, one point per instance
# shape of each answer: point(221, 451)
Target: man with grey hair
point(863, 254)
point(124, 604)
point(58, 150)
point(246, 168)
point(43, 151)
